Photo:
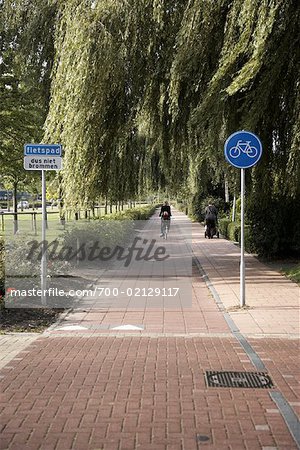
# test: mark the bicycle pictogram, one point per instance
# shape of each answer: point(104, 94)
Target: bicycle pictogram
point(243, 147)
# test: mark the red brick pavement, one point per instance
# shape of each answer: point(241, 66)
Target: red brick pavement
point(102, 390)
point(203, 316)
point(139, 392)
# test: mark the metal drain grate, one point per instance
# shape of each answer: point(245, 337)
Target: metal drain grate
point(238, 379)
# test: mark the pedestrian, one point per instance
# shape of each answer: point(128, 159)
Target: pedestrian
point(211, 216)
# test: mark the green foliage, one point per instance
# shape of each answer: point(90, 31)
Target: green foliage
point(234, 231)
point(144, 94)
point(108, 231)
point(142, 213)
point(293, 273)
point(237, 210)
point(183, 207)
point(26, 49)
point(155, 89)
point(2, 268)
point(249, 246)
point(223, 227)
point(274, 226)
point(199, 204)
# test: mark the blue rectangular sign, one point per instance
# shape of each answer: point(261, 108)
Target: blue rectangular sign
point(42, 149)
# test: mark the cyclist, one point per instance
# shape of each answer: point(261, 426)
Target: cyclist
point(165, 214)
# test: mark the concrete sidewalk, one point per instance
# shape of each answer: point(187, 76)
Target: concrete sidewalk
point(88, 384)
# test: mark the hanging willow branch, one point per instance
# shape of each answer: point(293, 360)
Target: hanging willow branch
point(145, 92)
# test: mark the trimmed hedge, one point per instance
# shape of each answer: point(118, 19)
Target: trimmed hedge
point(143, 213)
point(293, 273)
point(275, 226)
point(2, 273)
point(232, 231)
point(86, 232)
point(182, 207)
point(108, 229)
point(223, 227)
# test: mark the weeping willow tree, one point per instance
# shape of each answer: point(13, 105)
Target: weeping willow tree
point(237, 67)
point(144, 94)
point(26, 54)
point(179, 76)
point(94, 97)
point(109, 103)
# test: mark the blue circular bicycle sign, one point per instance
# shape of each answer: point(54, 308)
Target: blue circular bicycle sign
point(243, 149)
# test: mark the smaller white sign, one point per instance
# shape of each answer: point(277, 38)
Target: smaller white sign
point(42, 163)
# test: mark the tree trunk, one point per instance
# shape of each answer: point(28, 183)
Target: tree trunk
point(15, 207)
point(8, 202)
point(226, 191)
point(62, 215)
point(233, 208)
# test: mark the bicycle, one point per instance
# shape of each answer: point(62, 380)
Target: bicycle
point(165, 228)
point(243, 147)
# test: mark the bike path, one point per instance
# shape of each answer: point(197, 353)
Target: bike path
point(99, 388)
point(163, 316)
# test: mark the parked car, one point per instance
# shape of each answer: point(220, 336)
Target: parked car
point(23, 204)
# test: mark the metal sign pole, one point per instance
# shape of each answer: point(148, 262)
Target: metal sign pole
point(44, 246)
point(43, 157)
point(242, 264)
point(243, 150)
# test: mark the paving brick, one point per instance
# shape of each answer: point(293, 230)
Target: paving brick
point(6, 440)
point(127, 443)
point(147, 391)
point(81, 440)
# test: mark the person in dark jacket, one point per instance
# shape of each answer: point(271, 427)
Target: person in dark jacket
point(211, 220)
point(211, 215)
point(165, 214)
